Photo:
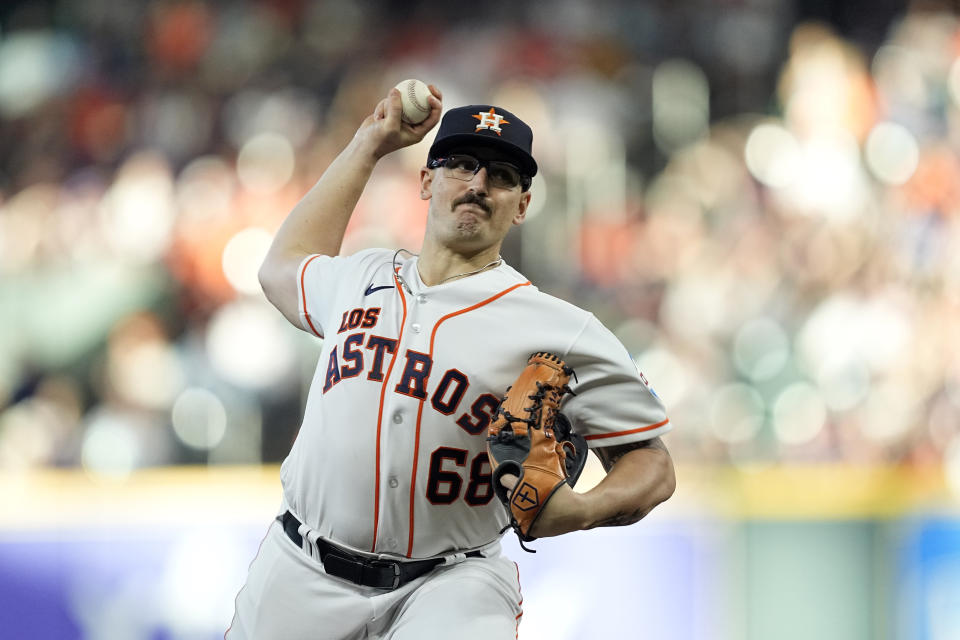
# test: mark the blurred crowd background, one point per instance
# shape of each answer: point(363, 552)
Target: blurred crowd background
point(760, 197)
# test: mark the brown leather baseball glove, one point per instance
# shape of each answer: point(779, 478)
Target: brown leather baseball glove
point(531, 439)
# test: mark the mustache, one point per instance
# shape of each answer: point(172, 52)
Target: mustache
point(471, 197)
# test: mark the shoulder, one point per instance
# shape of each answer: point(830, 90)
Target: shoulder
point(533, 298)
point(373, 256)
point(337, 266)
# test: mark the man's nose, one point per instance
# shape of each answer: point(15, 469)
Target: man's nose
point(479, 181)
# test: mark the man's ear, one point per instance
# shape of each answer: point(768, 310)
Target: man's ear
point(426, 183)
point(521, 214)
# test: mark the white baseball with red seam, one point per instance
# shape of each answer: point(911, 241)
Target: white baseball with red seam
point(414, 95)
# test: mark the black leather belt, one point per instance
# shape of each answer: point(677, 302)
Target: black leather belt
point(382, 574)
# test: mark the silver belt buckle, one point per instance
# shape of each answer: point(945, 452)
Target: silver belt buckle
point(396, 570)
point(396, 575)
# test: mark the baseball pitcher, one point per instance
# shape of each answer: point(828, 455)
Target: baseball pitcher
point(452, 402)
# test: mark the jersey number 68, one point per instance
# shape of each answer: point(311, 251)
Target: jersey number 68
point(443, 486)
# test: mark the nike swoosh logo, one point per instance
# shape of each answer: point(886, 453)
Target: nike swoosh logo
point(372, 288)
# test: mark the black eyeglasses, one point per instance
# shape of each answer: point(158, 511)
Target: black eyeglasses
point(462, 166)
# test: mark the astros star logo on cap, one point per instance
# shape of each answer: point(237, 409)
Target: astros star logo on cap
point(490, 120)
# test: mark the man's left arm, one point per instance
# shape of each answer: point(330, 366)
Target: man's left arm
point(639, 476)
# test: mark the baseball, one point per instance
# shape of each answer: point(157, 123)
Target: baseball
point(414, 94)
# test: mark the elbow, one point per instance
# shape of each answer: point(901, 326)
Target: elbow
point(279, 286)
point(273, 273)
point(661, 491)
point(670, 483)
point(265, 277)
point(667, 476)
point(271, 281)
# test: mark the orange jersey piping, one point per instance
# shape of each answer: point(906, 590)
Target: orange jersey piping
point(516, 628)
point(303, 295)
point(598, 436)
point(383, 391)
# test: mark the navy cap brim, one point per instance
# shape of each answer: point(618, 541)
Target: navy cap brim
point(526, 163)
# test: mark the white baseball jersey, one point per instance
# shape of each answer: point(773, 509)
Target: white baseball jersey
point(391, 456)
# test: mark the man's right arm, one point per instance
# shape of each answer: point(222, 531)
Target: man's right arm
point(318, 222)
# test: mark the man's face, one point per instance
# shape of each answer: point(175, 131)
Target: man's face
point(473, 214)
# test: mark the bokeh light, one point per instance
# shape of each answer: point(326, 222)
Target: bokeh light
point(243, 256)
point(844, 382)
point(829, 179)
point(143, 366)
point(265, 163)
point(290, 113)
point(737, 413)
point(772, 155)
point(199, 418)
point(897, 70)
point(110, 448)
point(204, 189)
point(249, 345)
point(845, 328)
point(889, 412)
point(137, 211)
point(761, 348)
point(34, 66)
point(892, 153)
point(24, 440)
point(22, 226)
point(681, 104)
point(799, 414)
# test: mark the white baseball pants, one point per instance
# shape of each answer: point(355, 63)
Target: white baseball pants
point(288, 595)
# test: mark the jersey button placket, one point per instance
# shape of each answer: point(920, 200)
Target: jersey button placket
point(416, 322)
point(400, 440)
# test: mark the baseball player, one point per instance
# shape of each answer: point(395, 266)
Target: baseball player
point(390, 525)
